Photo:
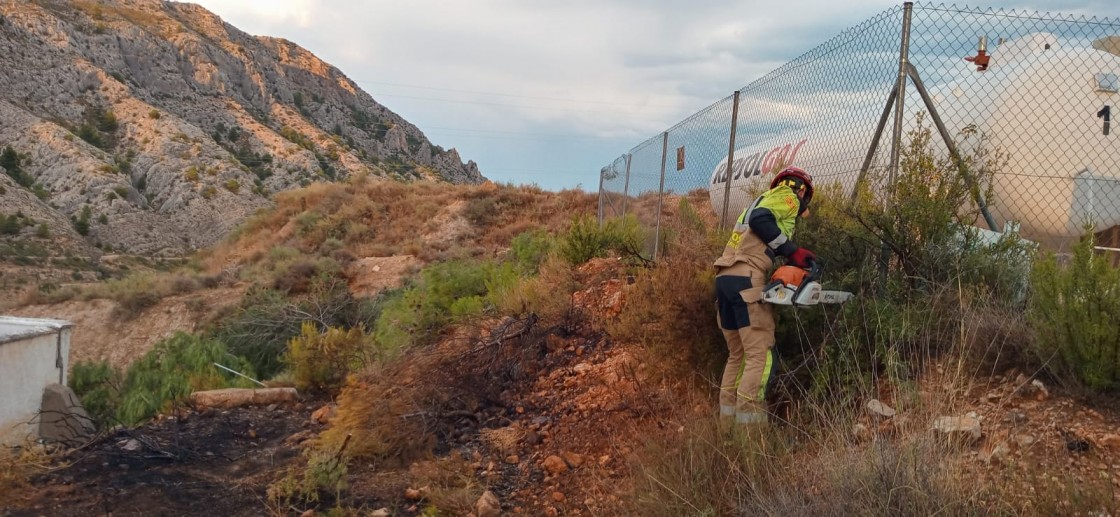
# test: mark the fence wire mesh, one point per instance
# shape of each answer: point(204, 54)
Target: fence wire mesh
point(1037, 94)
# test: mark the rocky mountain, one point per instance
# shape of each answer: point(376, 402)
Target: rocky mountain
point(155, 127)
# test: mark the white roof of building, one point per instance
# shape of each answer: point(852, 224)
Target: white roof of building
point(15, 329)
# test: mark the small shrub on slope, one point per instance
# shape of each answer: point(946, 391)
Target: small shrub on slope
point(445, 292)
point(322, 360)
point(670, 308)
point(1074, 309)
point(586, 240)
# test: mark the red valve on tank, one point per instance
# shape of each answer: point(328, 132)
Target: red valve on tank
point(981, 58)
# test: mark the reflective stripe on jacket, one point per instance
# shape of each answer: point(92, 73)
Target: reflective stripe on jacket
point(746, 247)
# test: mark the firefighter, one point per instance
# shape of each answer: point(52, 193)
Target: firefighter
point(762, 233)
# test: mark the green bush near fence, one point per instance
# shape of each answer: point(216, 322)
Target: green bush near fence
point(1074, 309)
point(586, 239)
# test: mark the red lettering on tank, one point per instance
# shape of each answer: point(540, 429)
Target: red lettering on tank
point(793, 153)
point(777, 157)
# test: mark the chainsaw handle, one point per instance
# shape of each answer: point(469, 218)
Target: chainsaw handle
point(815, 270)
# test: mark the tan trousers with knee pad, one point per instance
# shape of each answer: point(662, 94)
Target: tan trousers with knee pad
point(750, 360)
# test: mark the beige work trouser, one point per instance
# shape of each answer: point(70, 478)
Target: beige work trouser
point(750, 362)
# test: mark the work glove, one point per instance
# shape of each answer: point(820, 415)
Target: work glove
point(802, 257)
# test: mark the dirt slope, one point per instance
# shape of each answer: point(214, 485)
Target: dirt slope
point(101, 333)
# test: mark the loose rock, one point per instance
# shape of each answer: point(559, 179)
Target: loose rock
point(324, 415)
point(879, 409)
point(573, 460)
point(965, 428)
point(1110, 440)
point(554, 465)
point(488, 505)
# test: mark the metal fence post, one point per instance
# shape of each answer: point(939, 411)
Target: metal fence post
point(896, 135)
point(660, 194)
point(626, 183)
point(730, 159)
point(903, 61)
point(602, 173)
point(973, 185)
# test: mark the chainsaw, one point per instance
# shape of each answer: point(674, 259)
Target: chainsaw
point(791, 285)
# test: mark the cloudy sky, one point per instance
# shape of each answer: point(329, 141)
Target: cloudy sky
point(548, 92)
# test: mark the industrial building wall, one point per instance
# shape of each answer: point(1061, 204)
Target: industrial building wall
point(26, 367)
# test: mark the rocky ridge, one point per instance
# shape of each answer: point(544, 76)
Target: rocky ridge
point(169, 126)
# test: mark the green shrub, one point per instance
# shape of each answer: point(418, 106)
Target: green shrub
point(174, 368)
point(324, 474)
point(9, 225)
point(165, 376)
point(98, 386)
point(133, 294)
point(260, 328)
point(529, 249)
point(445, 292)
point(81, 222)
point(905, 316)
point(322, 360)
point(1074, 308)
point(585, 239)
point(297, 138)
point(925, 217)
point(11, 162)
point(306, 222)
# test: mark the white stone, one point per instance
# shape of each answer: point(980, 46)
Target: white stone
point(880, 409)
point(959, 427)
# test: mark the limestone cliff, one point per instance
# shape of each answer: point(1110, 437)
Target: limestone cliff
point(168, 126)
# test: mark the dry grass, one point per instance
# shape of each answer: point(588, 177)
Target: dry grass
point(17, 465)
point(547, 295)
point(379, 218)
point(133, 293)
point(670, 307)
point(388, 418)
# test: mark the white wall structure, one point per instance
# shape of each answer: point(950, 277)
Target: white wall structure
point(33, 354)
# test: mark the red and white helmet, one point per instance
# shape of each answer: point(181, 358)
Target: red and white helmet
point(797, 179)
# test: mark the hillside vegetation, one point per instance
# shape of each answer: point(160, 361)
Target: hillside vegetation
point(534, 361)
point(154, 128)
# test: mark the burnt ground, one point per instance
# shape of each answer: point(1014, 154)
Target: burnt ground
point(217, 462)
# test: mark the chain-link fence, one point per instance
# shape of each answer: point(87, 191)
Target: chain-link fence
point(1035, 95)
